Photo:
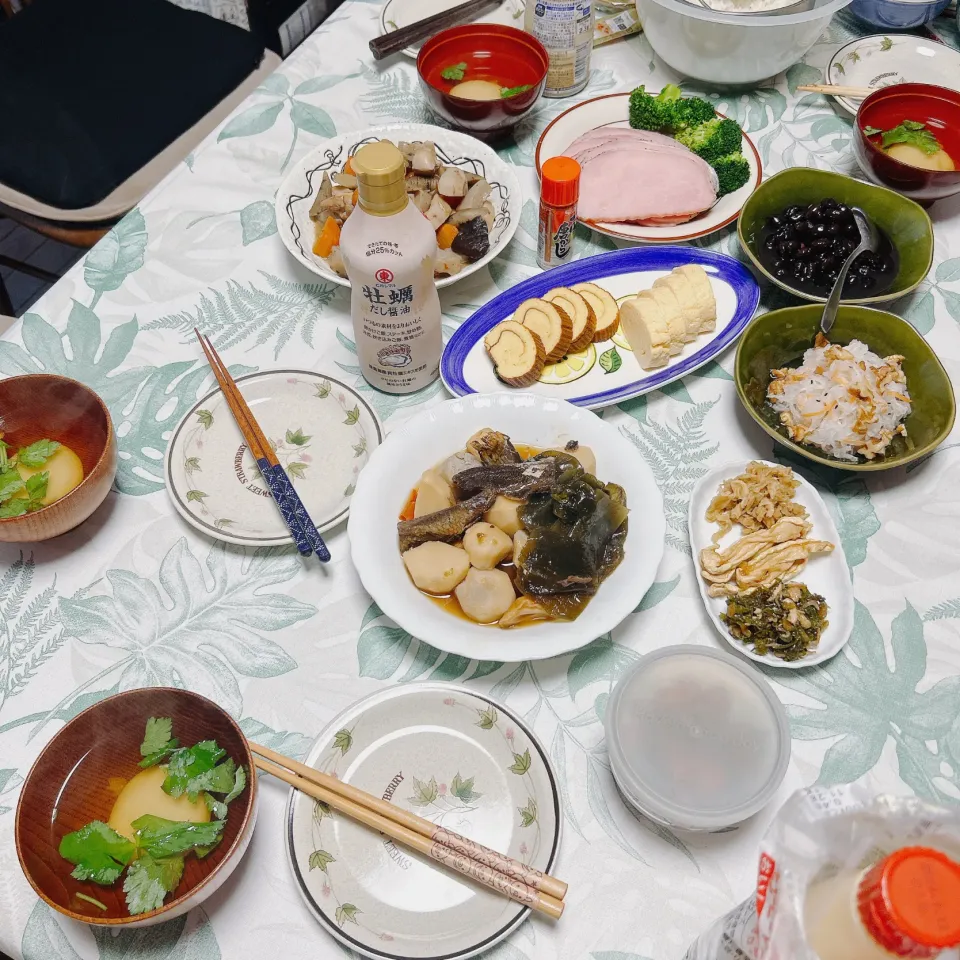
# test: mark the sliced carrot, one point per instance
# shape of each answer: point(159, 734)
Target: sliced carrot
point(446, 235)
point(327, 238)
point(409, 507)
point(348, 166)
point(354, 197)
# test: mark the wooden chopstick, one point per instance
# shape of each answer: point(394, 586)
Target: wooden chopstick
point(298, 521)
point(400, 39)
point(511, 871)
point(836, 90)
point(514, 889)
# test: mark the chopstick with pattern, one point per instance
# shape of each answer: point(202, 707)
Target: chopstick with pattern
point(294, 514)
point(836, 90)
point(450, 849)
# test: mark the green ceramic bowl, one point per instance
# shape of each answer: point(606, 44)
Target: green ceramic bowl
point(903, 221)
point(779, 338)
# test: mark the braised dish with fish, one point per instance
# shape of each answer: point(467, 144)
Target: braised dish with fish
point(506, 535)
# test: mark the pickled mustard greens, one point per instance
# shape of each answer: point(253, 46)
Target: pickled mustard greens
point(785, 619)
point(151, 848)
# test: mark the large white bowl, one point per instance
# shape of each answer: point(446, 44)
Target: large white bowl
point(731, 49)
point(395, 468)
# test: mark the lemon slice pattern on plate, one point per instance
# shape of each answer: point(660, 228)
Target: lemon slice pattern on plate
point(571, 367)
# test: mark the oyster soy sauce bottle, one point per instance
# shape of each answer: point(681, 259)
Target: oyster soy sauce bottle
point(388, 248)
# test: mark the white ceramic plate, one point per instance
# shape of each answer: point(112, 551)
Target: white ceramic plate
point(455, 758)
point(826, 574)
point(886, 59)
point(609, 373)
point(322, 430)
point(401, 13)
point(612, 110)
point(296, 193)
point(395, 468)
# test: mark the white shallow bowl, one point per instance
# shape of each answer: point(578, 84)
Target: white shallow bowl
point(733, 48)
point(395, 468)
point(298, 190)
point(826, 574)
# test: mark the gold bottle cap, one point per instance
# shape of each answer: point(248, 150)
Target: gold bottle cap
point(381, 170)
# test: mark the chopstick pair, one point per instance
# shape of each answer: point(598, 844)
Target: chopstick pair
point(501, 873)
point(398, 40)
point(837, 90)
point(295, 515)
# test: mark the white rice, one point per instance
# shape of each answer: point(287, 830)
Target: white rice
point(847, 401)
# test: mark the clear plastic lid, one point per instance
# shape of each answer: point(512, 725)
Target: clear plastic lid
point(697, 739)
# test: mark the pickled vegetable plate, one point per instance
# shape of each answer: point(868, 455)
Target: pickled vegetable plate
point(396, 467)
point(825, 574)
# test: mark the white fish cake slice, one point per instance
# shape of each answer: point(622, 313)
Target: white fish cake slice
point(683, 290)
point(703, 291)
point(672, 315)
point(645, 327)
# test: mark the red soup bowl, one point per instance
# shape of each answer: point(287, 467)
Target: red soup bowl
point(939, 109)
point(505, 55)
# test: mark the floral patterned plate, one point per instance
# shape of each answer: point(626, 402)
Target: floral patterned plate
point(454, 757)
point(322, 431)
point(882, 60)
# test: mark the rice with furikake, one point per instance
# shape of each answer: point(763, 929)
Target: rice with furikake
point(847, 401)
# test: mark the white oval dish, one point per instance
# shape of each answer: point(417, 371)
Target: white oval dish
point(612, 110)
point(458, 759)
point(825, 574)
point(395, 468)
point(883, 60)
point(296, 193)
point(397, 14)
point(322, 431)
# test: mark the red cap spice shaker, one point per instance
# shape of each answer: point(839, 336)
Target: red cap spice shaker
point(559, 190)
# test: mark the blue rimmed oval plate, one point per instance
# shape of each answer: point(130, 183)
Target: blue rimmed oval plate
point(606, 373)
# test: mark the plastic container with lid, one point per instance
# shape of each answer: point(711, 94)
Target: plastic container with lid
point(906, 905)
point(697, 739)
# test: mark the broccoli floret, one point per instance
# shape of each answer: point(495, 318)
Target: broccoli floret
point(691, 111)
point(647, 112)
point(733, 172)
point(711, 140)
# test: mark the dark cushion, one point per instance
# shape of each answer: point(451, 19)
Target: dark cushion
point(91, 90)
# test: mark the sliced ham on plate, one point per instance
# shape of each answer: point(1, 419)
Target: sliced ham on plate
point(635, 176)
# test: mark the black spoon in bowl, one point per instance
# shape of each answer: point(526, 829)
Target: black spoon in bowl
point(869, 241)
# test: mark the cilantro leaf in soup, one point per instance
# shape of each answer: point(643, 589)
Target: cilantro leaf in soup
point(218, 780)
point(149, 880)
point(239, 782)
point(186, 763)
point(37, 485)
point(10, 483)
point(455, 71)
point(513, 91)
point(97, 852)
point(157, 741)
point(201, 852)
point(160, 837)
point(16, 507)
point(915, 134)
point(37, 453)
point(872, 131)
point(217, 808)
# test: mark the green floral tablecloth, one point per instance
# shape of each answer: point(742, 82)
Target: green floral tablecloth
point(135, 597)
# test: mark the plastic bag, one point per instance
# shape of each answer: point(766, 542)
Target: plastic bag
point(817, 833)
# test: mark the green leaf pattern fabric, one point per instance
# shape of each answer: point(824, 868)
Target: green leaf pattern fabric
point(134, 598)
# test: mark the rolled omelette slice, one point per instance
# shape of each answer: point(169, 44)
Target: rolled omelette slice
point(672, 315)
point(645, 327)
point(550, 323)
point(604, 308)
point(517, 353)
point(703, 291)
point(681, 287)
point(581, 314)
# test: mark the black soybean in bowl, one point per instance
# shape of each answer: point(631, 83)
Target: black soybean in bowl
point(805, 247)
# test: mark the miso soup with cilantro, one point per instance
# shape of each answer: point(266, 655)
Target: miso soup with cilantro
point(36, 475)
point(175, 808)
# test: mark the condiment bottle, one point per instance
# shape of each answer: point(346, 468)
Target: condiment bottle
point(565, 28)
point(388, 248)
point(907, 905)
point(559, 190)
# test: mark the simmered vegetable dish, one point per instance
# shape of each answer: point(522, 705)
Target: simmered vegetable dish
point(507, 536)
